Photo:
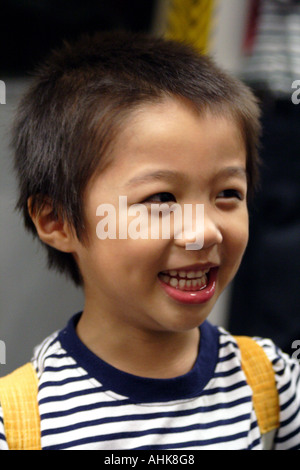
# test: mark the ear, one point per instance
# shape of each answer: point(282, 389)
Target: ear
point(51, 229)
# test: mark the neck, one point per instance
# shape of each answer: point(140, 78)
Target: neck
point(145, 353)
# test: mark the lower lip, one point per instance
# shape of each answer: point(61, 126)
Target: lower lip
point(193, 297)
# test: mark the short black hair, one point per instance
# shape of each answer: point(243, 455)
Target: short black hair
point(81, 96)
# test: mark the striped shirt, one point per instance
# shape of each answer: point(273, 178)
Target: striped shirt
point(274, 63)
point(85, 403)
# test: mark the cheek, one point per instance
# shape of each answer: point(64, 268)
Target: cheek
point(238, 238)
point(141, 259)
point(126, 259)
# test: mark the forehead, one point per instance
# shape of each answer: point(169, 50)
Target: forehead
point(171, 136)
point(170, 129)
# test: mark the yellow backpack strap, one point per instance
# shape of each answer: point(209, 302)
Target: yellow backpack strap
point(261, 378)
point(18, 397)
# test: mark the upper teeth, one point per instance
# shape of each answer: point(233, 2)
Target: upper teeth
point(187, 274)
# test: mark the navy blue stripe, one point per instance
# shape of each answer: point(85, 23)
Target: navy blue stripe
point(290, 418)
point(57, 383)
point(280, 373)
point(60, 368)
point(67, 396)
point(229, 388)
point(277, 359)
point(198, 443)
point(254, 444)
point(135, 434)
point(149, 416)
point(128, 401)
point(229, 342)
point(94, 406)
point(227, 358)
point(226, 373)
point(78, 409)
point(297, 447)
point(287, 404)
point(285, 387)
point(58, 355)
point(254, 425)
point(289, 436)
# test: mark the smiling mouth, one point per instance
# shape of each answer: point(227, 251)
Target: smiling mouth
point(185, 280)
point(190, 286)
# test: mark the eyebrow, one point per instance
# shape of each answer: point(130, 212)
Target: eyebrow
point(154, 175)
point(238, 171)
point(170, 175)
point(234, 171)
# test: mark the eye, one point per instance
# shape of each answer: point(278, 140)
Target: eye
point(231, 194)
point(160, 198)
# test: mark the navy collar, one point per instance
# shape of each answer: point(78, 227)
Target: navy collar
point(142, 389)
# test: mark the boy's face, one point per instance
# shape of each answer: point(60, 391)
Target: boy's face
point(166, 153)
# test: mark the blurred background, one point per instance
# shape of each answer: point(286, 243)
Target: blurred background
point(246, 37)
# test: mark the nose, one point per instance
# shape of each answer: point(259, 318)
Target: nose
point(212, 231)
point(200, 230)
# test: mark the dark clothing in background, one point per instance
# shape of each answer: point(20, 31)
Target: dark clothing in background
point(266, 292)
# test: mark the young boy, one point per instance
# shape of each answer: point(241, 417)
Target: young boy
point(144, 121)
